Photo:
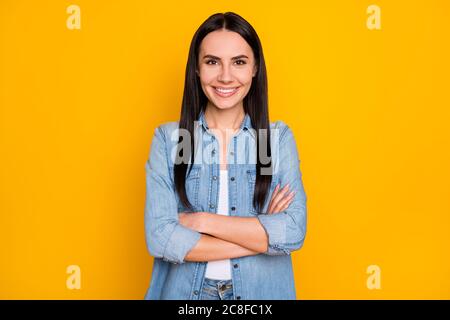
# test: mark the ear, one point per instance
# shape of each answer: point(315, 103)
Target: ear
point(255, 69)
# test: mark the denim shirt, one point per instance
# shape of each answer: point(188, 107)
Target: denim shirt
point(263, 276)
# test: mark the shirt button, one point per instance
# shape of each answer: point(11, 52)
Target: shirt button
point(233, 208)
point(196, 292)
point(213, 151)
point(235, 265)
point(214, 177)
point(238, 297)
point(211, 206)
point(232, 178)
point(231, 152)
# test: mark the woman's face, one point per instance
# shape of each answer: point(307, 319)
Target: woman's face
point(226, 67)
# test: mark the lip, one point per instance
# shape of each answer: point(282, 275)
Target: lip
point(226, 95)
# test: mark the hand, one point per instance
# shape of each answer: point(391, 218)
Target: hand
point(192, 220)
point(280, 200)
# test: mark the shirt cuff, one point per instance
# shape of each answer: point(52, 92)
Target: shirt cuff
point(275, 227)
point(181, 241)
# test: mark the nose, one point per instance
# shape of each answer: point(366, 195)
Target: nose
point(225, 74)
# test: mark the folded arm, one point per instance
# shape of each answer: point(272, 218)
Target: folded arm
point(209, 248)
point(246, 232)
point(272, 234)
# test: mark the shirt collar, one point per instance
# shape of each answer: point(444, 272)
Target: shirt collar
point(245, 124)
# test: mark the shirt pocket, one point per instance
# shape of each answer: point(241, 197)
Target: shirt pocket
point(251, 179)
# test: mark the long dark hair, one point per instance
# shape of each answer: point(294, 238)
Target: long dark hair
point(255, 103)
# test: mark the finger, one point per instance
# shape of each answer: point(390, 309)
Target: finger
point(276, 196)
point(273, 194)
point(289, 202)
point(287, 205)
point(283, 202)
point(283, 205)
point(280, 195)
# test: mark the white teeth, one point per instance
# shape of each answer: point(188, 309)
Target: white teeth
point(225, 90)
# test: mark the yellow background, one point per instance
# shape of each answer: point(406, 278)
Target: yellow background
point(369, 109)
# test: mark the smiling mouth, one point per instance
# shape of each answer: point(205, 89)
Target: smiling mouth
point(225, 92)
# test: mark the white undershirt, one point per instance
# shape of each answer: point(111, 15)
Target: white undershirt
point(221, 269)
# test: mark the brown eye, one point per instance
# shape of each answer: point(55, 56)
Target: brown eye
point(243, 62)
point(208, 62)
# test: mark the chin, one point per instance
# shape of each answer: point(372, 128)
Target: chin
point(224, 103)
point(224, 106)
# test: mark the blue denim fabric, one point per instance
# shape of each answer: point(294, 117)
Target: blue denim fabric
point(214, 289)
point(267, 275)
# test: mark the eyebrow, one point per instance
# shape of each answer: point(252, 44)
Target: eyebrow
point(217, 58)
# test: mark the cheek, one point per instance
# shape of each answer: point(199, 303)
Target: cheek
point(245, 77)
point(207, 76)
point(246, 84)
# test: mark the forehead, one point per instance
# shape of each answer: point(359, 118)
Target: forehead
point(225, 44)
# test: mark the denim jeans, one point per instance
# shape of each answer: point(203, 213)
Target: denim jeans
point(217, 290)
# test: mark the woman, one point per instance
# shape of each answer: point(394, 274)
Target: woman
point(208, 223)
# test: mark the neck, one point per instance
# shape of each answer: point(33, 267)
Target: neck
point(222, 119)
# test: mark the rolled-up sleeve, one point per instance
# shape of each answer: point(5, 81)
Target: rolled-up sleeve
point(165, 237)
point(286, 230)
